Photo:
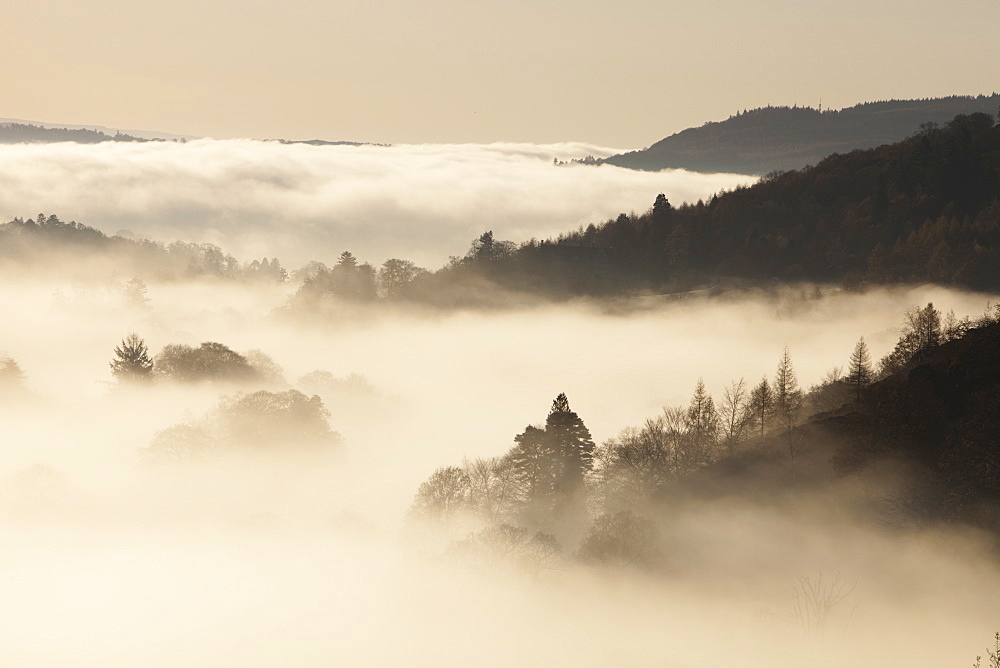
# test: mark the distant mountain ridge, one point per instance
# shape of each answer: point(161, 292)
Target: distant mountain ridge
point(93, 132)
point(16, 131)
point(769, 139)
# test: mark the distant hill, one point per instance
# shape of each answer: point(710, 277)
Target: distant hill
point(923, 210)
point(760, 141)
point(26, 133)
point(14, 131)
point(17, 130)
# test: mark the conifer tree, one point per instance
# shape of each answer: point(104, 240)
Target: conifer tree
point(860, 372)
point(702, 423)
point(787, 395)
point(761, 405)
point(132, 362)
point(570, 438)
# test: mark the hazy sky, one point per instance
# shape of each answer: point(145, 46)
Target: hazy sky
point(625, 73)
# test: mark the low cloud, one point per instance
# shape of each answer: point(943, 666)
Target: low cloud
point(302, 202)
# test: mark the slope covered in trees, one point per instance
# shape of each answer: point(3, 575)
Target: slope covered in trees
point(53, 245)
point(781, 138)
point(924, 210)
point(921, 430)
point(26, 133)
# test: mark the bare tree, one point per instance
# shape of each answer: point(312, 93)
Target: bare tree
point(621, 539)
point(493, 487)
point(734, 414)
point(443, 496)
point(994, 654)
point(816, 599)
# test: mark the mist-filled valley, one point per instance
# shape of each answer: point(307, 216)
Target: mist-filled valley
point(217, 515)
point(265, 403)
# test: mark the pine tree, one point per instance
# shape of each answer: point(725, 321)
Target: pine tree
point(860, 372)
point(787, 395)
point(534, 460)
point(132, 362)
point(703, 424)
point(570, 438)
point(11, 376)
point(761, 405)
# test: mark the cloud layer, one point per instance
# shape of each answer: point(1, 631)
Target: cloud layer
point(302, 202)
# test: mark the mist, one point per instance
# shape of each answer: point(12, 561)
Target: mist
point(302, 202)
point(282, 558)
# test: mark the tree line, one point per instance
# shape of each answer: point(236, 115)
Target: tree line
point(554, 477)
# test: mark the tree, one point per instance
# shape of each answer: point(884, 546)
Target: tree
point(534, 461)
point(860, 373)
point(11, 376)
point(135, 292)
point(443, 496)
point(493, 488)
point(265, 419)
point(661, 208)
point(571, 441)
point(504, 545)
point(210, 361)
point(637, 465)
point(921, 332)
point(621, 539)
point(132, 362)
point(734, 414)
point(267, 369)
point(394, 275)
point(761, 405)
point(347, 260)
point(787, 395)
point(702, 425)
point(180, 444)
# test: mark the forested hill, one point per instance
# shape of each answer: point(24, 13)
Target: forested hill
point(924, 210)
point(781, 138)
point(26, 133)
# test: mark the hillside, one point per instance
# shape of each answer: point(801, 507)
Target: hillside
point(26, 133)
point(760, 141)
point(924, 210)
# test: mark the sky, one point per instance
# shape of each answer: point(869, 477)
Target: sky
point(618, 74)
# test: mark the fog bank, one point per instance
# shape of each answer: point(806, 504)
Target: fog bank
point(302, 202)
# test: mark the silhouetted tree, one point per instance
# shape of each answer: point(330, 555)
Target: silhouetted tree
point(535, 462)
point(621, 539)
point(859, 371)
point(494, 492)
point(571, 440)
point(761, 405)
point(787, 396)
point(735, 414)
point(921, 332)
point(702, 425)
point(443, 496)
point(132, 362)
point(394, 275)
point(210, 361)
